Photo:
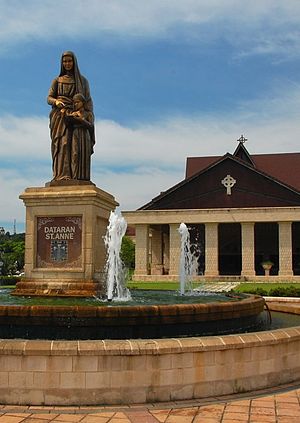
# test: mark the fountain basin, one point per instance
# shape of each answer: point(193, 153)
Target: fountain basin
point(144, 371)
point(131, 321)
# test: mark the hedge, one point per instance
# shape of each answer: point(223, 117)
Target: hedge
point(8, 280)
point(288, 291)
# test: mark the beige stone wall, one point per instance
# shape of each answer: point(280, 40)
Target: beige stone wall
point(138, 371)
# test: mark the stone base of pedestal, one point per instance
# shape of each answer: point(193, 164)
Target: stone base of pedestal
point(64, 246)
point(58, 288)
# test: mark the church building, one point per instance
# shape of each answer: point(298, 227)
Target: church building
point(243, 215)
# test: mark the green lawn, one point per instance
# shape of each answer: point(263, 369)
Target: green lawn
point(271, 289)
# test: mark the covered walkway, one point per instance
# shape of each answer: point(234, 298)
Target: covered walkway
point(227, 242)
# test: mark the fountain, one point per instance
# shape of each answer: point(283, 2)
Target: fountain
point(116, 356)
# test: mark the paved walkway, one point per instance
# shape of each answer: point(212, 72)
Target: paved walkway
point(278, 405)
point(216, 286)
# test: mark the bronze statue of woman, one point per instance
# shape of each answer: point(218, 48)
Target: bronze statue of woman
point(60, 97)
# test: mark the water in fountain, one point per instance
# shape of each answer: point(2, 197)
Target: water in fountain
point(115, 270)
point(188, 260)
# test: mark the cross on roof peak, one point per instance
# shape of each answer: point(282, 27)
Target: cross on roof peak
point(242, 139)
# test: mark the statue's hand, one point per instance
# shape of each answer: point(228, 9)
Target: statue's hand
point(59, 104)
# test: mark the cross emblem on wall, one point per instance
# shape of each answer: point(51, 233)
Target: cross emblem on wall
point(228, 183)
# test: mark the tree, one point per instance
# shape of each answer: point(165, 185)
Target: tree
point(128, 252)
point(12, 250)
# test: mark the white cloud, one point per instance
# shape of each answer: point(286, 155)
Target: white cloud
point(10, 205)
point(132, 190)
point(24, 138)
point(256, 27)
point(166, 143)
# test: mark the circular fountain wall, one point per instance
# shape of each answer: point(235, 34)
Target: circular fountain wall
point(143, 371)
point(229, 314)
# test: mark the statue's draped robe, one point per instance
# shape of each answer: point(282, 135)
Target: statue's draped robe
point(82, 148)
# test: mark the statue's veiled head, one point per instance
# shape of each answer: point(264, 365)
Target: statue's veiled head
point(68, 63)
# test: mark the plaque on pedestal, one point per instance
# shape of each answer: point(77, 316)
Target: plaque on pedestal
point(59, 242)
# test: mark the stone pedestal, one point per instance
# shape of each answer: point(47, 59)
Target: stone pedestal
point(64, 247)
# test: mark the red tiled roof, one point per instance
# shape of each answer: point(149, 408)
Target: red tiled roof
point(196, 164)
point(284, 167)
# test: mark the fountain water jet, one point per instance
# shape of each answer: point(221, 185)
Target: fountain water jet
point(188, 260)
point(115, 270)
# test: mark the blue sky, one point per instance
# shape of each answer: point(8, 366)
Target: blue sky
point(169, 79)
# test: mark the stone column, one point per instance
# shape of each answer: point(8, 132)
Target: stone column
point(156, 262)
point(285, 249)
point(211, 249)
point(166, 253)
point(174, 249)
point(141, 249)
point(248, 246)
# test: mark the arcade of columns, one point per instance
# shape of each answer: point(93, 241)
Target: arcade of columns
point(148, 220)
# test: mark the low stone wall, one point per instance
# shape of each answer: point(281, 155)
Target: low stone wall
point(284, 304)
point(138, 371)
